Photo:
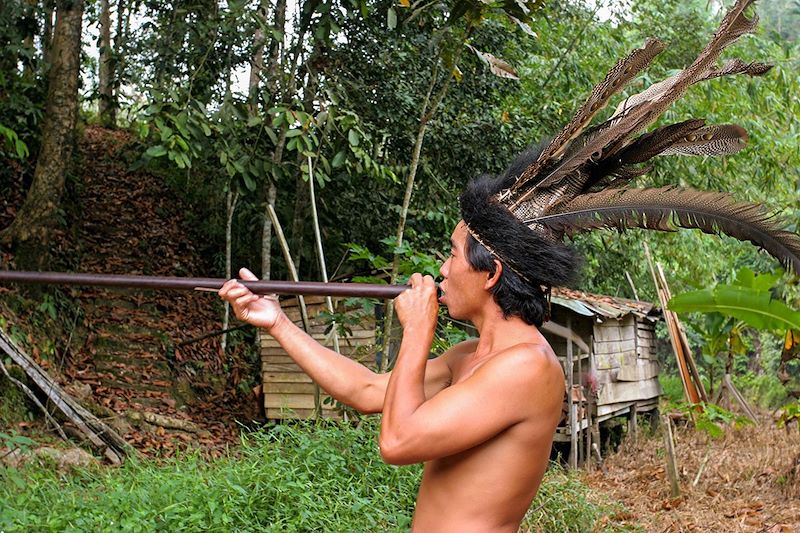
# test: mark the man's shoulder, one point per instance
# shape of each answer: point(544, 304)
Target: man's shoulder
point(528, 360)
point(461, 349)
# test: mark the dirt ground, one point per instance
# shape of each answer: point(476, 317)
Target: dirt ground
point(749, 481)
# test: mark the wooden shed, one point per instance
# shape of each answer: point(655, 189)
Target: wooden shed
point(606, 345)
point(607, 348)
point(288, 391)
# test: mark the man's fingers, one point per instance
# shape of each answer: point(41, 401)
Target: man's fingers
point(227, 286)
point(416, 280)
point(245, 300)
point(238, 291)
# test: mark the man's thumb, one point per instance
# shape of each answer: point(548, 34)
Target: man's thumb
point(246, 274)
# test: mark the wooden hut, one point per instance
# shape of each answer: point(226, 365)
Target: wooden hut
point(606, 345)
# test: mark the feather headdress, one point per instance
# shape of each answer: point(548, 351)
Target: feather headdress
point(576, 182)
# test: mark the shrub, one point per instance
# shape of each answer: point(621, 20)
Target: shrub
point(305, 477)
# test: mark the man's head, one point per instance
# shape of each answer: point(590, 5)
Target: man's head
point(533, 254)
point(511, 293)
point(474, 278)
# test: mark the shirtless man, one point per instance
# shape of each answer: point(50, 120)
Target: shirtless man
point(481, 416)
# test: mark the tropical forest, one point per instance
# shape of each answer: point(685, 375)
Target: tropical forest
point(151, 149)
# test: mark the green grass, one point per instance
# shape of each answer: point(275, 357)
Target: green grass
point(326, 477)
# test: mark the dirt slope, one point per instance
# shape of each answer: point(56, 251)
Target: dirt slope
point(130, 351)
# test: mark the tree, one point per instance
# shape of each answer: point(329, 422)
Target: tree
point(106, 108)
point(31, 229)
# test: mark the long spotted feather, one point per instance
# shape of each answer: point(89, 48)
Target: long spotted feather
point(670, 208)
point(612, 137)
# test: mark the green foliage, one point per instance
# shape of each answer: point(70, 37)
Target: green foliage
point(671, 387)
point(713, 419)
point(13, 143)
point(325, 477)
point(790, 413)
point(765, 390)
point(14, 441)
point(755, 307)
point(13, 402)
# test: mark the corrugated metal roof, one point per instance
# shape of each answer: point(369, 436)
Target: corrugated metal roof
point(588, 304)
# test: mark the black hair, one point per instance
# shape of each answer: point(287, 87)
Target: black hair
point(514, 295)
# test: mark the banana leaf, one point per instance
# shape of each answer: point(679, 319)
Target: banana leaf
point(754, 307)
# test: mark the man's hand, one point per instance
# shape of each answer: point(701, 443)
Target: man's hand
point(417, 307)
point(261, 311)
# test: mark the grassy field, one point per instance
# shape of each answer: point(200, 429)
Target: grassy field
point(324, 477)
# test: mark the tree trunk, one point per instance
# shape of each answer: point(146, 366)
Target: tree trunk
point(257, 62)
point(274, 76)
point(27, 42)
point(754, 361)
point(47, 33)
point(105, 67)
point(300, 215)
point(31, 229)
point(266, 234)
point(274, 86)
point(428, 110)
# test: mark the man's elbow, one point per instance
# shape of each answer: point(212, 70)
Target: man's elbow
point(393, 451)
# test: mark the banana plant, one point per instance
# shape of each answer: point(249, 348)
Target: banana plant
point(748, 299)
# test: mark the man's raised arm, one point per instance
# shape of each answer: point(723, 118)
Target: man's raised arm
point(349, 382)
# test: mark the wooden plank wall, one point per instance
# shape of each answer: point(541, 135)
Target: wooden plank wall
point(627, 369)
point(288, 391)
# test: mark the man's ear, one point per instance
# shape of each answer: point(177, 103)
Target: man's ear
point(493, 279)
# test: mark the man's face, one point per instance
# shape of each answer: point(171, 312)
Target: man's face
point(462, 287)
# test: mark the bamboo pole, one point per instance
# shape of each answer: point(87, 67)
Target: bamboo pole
point(303, 309)
point(320, 253)
point(698, 383)
point(362, 290)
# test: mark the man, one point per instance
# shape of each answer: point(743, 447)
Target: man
point(481, 416)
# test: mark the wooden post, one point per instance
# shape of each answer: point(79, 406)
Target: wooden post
point(672, 464)
point(589, 406)
point(633, 287)
point(674, 336)
point(726, 380)
point(573, 415)
point(687, 351)
point(632, 423)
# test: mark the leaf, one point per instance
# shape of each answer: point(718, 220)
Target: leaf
point(353, 137)
point(497, 66)
point(756, 308)
point(391, 18)
point(338, 159)
point(249, 183)
point(156, 151)
point(524, 27)
point(294, 133)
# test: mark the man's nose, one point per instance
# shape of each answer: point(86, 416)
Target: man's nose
point(444, 268)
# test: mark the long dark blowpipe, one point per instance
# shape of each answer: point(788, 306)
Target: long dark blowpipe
point(305, 288)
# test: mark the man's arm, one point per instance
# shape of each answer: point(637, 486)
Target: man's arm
point(497, 396)
point(346, 380)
